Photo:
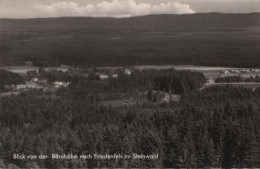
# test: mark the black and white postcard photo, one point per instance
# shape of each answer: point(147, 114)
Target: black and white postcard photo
point(129, 84)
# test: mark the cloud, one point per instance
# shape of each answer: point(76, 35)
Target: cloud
point(224, 6)
point(114, 8)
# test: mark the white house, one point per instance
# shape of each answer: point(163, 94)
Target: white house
point(234, 71)
point(255, 70)
point(245, 71)
point(58, 84)
point(171, 97)
point(224, 71)
point(115, 75)
point(34, 80)
point(127, 71)
point(102, 77)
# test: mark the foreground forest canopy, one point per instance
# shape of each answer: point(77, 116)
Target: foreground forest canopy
point(214, 127)
point(200, 39)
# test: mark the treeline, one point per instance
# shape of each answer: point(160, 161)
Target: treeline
point(179, 82)
point(52, 76)
point(9, 78)
point(217, 127)
point(228, 79)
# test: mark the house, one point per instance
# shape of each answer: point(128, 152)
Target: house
point(54, 69)
point(27, 86)
point(248, 76)
point(127, 71)
point(234, 71)
point(223, 76)
point(245, 71)
point(225, 72)
point(58, 84)
point(170, 98)
point(102, 76)
point(99, 75)
point(61, 68)
point(115, 75)
point(163, 97)
point(255, 70)
point(35, 80)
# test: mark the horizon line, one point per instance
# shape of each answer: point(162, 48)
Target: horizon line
point(126, 17)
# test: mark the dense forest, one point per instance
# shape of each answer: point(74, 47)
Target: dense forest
point(178, 82)
point(56, 76)
point(9, 78)
point(211, 39)
point(214, 127)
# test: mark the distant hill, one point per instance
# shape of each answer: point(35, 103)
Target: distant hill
point(204, 39)
point(186, 21)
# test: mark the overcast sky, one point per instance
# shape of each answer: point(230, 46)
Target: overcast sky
point(120, 8)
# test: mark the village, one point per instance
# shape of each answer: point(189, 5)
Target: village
point(35, 78)
point(240, 72)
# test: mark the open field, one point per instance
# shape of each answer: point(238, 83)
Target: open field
point(183, 67)
point(21, 70)
point(26, 87)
